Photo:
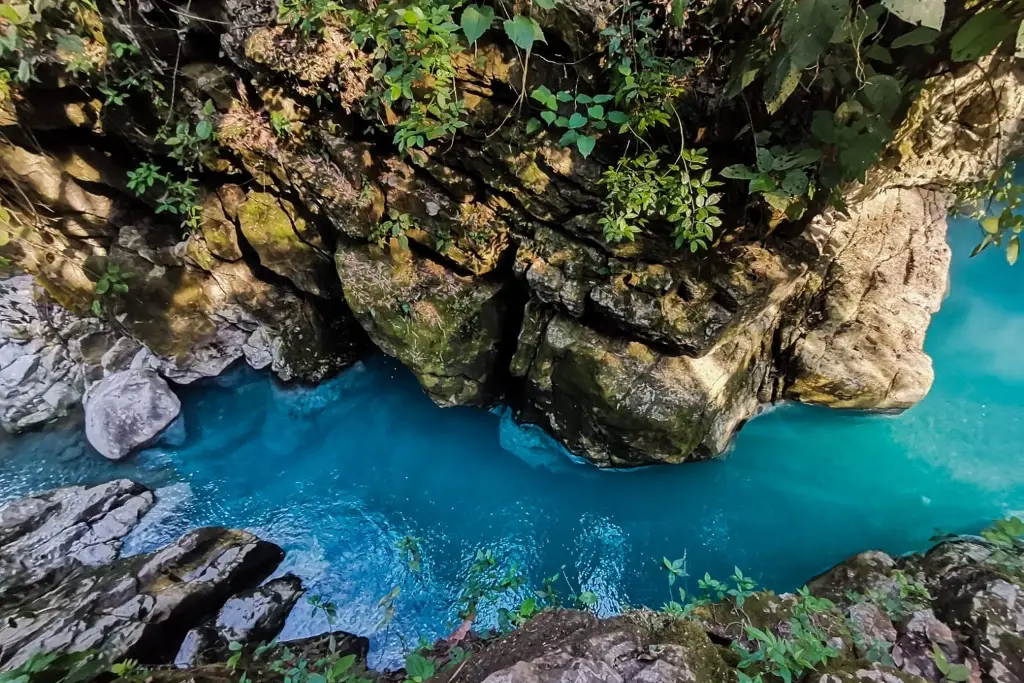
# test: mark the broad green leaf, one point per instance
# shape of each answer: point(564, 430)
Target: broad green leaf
point(577, 120)
point(588, 598)
point(15, 14)
point(762, 183)
point(97, 308)
point(618, 117)
point(204, 129)
point(545, 4)
point(879, 54)
point(523, 31)
point(765, 160)
point(595, 112)
point(71, 43)
point(928, 13)
point(475, 21)
point(564, 96)
point(585, 144)
point(794, 183)
point(808, 27)
point(739, 172)
point(780, 85)
point(779, 201)
point(1013, 250)
point(548, 116)
point(882, 94)
point(568, 138)
point(991, 225)
point(1020, 41)
point(922, 35)
point(981, 34)
point(533, 125)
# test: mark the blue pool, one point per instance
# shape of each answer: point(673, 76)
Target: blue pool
point(337, 474)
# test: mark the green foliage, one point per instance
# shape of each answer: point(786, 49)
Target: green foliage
point(956, 673)
point(113, 281)
point(309, 17)
point(805, 649)
point(412, 46)
point(76, 667)
point(904, 598)
point(485, 580)
point(643, 189)
point(190, 143)
point(583, 114)
point(523, 31)
point(409, 552)
point(781, 177)
point(294, 667)
point(978, 201)
point(321, 604)
point(395, 226)
point(475, 21)
point(1007, 534)
point(280, 124)
point(130, 670)
point(418, 668)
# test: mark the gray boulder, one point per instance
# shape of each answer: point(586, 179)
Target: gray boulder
point(127, 410)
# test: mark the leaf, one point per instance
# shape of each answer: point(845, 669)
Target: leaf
point(922, 35)
point(991, 225)
point(585, 144)
point(204, 129)
point(795, 183)
point(564, 96)
point(808, 27)
point(568, 138)
point(928, 13)
point(1013, 250)
point(577, 120)
point(548, 116)
point(762, 183)
point(981, 34)
point(588, 598)
point(739, 172)
point(475, 21)
point(879, 54)
point(97, 308)
point(780, 85)
point(71, 43)
point(882, 94)
point(418, 666)
point(12, 14)
point(1019, 52)
point(533, 125)
point(617, 117)
point(102, 286)
point(523, 31)
point(765, 160)
point(545, 4)
point(595, 112)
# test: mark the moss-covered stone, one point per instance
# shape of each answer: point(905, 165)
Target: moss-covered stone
point(282, 240)
point(444, 327)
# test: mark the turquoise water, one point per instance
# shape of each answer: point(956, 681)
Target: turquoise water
point(338, 473)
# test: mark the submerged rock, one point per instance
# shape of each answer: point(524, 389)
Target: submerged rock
point(128, 410)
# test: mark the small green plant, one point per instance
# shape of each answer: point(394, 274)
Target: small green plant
point(781, 177)
point(309, 17)
point(587, 115)
point(418, 668)
point(190, 142)
point(486, 580)
point(905, 597)
point(280, 124)
point(977, 200)
point(1007, 534)
point(955, 673)
point(320, 604)
point(395, 226)
point(144, 177)
point(805, 649)
point(235, 648)
point(113, 281)
point(52, 667)
point(409, 552)
point(644, 188)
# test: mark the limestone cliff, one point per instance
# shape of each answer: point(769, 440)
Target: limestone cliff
point(479, 263)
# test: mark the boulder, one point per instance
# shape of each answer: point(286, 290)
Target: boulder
point(127, 410)
point(250, 617)
point(138, 607)
point(446, 328)
point(45, 536)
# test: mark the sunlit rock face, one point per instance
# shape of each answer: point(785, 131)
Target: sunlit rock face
point(479, 261)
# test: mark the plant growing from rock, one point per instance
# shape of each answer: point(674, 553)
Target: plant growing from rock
point(394, 227)
point(113, 281)
point(587, 116)
point(977, 201)
point(309, 17)
point(645, 188)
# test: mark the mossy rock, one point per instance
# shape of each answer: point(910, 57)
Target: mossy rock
point(446, 328)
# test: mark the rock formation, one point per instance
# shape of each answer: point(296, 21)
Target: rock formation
point(479, 264)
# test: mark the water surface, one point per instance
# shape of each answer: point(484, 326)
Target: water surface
point(337, 474)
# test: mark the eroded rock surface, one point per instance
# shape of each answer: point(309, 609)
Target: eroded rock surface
point(127, 410)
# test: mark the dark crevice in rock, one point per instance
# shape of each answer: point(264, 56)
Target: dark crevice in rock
point(502, 384)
